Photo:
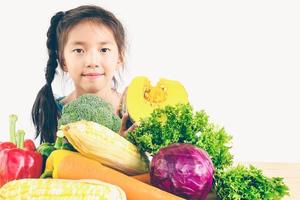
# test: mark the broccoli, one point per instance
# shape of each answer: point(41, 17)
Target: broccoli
point(92, 108)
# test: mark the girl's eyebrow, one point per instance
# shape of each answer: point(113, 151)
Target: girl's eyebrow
point(83, 43)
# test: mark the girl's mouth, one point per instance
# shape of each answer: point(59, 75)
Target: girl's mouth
point(92, 76)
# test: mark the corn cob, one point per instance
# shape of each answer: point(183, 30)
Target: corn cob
point(109, 148)
point(60, 189)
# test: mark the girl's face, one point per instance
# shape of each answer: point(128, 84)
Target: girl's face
point(91, 57)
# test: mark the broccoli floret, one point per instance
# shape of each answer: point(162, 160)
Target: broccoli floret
point(92, 108)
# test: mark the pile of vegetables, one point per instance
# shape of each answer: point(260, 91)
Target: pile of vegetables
point(180, 124)
point(187, 155)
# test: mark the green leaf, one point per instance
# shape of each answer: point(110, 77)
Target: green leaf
point(180, 124)
point(249, 183)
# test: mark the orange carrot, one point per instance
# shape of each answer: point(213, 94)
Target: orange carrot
point(76, 166)
point(145, 178)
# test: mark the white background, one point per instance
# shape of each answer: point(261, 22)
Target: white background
point(239, 61)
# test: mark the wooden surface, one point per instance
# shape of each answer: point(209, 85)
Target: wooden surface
point(289, 171)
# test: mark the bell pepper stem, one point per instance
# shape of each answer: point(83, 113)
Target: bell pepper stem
point(58, 143)
point(46, 174)
point(59, 140)
point(20, 138)
point(12, 128)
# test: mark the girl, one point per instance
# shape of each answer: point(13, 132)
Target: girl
point(87, 42)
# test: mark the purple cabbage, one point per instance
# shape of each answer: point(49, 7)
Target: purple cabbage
point(184, 170)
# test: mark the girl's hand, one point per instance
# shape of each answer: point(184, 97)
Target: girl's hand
point(123, 130)
point(122, 98)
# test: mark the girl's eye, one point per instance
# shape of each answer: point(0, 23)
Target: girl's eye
point(104, 50)
point(77, 50)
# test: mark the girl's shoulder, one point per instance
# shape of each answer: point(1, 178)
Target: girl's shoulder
point(59, 103)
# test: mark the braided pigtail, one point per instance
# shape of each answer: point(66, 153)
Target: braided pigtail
point(44, 111)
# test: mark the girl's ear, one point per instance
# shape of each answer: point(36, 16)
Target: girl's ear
point(65, 69)
point(120, 63)
point(63, 65)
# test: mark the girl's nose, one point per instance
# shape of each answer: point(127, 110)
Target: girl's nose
point(93, 60)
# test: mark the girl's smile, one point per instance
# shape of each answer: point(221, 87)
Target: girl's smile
point(92, 76)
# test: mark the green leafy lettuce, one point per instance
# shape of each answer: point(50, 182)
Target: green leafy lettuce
point(248, 183)
point(180, 124)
